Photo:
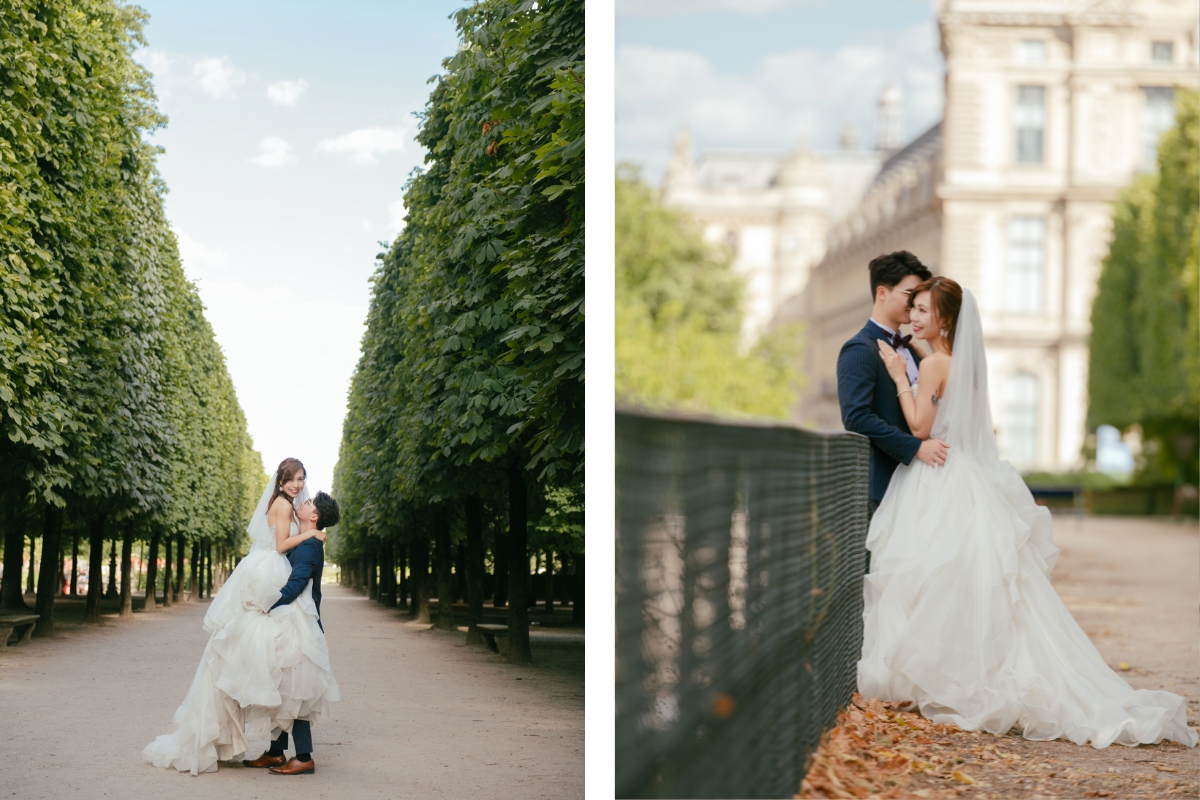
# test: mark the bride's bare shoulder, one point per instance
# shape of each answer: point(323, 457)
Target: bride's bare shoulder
point(938, 361)
point(280, 504)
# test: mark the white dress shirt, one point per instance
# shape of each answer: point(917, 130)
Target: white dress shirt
point(910, 363)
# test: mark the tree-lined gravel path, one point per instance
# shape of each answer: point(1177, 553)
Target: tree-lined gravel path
point(422, 714)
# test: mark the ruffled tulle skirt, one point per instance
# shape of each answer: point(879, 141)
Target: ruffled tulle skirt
point(960, 617)
point(261, 670)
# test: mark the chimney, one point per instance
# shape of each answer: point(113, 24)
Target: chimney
point(849, 138)
point(891, 118)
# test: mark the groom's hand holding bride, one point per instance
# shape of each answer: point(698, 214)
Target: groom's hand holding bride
point(933, 452)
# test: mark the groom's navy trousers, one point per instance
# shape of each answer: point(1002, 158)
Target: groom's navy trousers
point(307, 560)
point(867, 396)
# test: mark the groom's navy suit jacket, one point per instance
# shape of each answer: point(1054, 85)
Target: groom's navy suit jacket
point(307, 560)
point(870, 406)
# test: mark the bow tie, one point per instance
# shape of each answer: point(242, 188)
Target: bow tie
point(900, 341)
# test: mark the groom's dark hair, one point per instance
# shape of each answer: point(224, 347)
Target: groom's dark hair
point(328, 513)
point(890, 269)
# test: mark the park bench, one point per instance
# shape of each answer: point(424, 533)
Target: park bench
point(1072, 493)
point(490, 633)
point(9, 622)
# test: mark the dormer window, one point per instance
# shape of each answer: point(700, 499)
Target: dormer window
point(1031, 51)
point(1162, 52)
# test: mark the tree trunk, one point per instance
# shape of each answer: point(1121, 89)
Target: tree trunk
point(518, 568)
point(179, 551)
point(14, 557)
point(29, 587)
point(166, 581)
point(202, 586)
point(445, 581)
point(193, 581)
point(62, 567)
point(208, 581)
point(460, 572)
point(75, 563)
point(387, 574)
point(372, 577)
point(577, 591)
point(152, 572)
point(127, 572)
point(500, 566)
point(474, 514)
point(95, 570)
point(420, 579)
point(51, 538)
point(549, 581)
point(402, 582)
point(111, 592)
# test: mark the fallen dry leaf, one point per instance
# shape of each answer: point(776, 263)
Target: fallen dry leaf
point(963, 777)
point(882, 750)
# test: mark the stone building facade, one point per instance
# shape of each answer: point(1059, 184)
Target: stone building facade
point(1051, 107)
point(772, 210)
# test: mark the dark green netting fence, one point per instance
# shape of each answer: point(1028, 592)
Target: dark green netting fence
point(739, 601)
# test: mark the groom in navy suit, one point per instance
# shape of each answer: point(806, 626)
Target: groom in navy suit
point(867, 394)
point(307, 559)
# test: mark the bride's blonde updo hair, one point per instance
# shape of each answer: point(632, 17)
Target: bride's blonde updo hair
point(945, 299)
point(286, 471)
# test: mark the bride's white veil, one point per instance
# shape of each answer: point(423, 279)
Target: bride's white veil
point(262, 537)
point(964, 417)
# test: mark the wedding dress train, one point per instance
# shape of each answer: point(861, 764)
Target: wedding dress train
point(959, 613)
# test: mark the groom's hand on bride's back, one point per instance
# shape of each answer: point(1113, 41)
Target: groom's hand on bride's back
point(933, 452)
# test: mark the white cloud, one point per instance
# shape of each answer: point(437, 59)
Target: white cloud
point(286, 93)
point(396, 212)
point(199, 260)
point(800, 93)
point(274, 152)
point(363, 145)
point(157, 61)
point(217, 77)
point(684, 8)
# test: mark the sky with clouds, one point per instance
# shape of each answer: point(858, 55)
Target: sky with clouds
point(761, 74)
point(289, 141)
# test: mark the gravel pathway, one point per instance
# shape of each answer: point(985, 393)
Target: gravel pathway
point(422, 715)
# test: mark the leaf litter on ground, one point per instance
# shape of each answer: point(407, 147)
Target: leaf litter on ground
point(882, 750)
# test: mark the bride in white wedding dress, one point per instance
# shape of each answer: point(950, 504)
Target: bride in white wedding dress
point(261, 669)
point(960, 617)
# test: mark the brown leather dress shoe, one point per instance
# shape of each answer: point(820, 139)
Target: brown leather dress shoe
point(295, 767)
point(266, 760)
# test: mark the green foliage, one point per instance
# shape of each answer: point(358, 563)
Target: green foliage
point(678, 320)
point(1145, 345)
point(114, 398)
point(561, 525)
point(472, 361)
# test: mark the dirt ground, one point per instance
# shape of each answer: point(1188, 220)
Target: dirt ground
point(1133, 585)
point(422, 714)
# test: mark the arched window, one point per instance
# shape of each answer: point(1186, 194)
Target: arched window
point(1019, 441)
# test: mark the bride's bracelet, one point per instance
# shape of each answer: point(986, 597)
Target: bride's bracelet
point(909, 389)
